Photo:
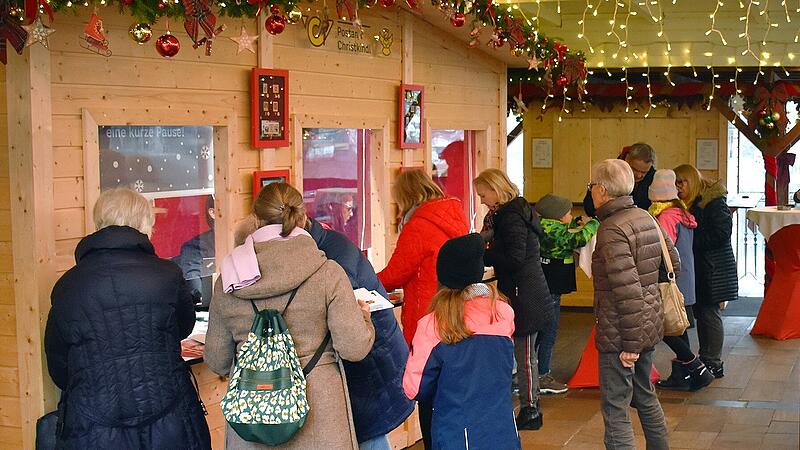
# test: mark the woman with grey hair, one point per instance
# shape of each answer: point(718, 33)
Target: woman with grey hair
point(642, 160)
point(627, 306)
point(113, 338)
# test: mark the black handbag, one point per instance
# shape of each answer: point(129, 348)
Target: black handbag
point(49, 426)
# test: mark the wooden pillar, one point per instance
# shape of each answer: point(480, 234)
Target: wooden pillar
point(33, 242)
point(407, 25)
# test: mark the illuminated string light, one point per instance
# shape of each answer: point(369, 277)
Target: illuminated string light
point(765, 12)
point(713, 23)
point(650, 105)
point(713, 85)
point(627, 89)
point(613, 23)
point(582, 23)
point(786, 11)
point(746, 33)
point(564, 99)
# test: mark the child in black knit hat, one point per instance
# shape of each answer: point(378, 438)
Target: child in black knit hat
point(462, 354)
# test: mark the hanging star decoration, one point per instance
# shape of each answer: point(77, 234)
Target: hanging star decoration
point(534, 63)
point(521, 106)
point(244, 41)
point(38, 32)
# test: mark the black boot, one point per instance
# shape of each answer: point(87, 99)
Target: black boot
point(715, 368)
point(699, 375)
point(530, 418)
point(679, 379)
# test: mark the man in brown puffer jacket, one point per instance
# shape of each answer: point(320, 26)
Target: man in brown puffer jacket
point(627, 306)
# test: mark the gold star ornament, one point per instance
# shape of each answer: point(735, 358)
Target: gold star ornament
point(38, 32)
point(244, 41)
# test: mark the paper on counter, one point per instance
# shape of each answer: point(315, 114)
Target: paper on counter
point(376, 301)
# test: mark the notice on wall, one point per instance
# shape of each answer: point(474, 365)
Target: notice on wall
point(707, 154)
point(542, 153)
point(353, 39)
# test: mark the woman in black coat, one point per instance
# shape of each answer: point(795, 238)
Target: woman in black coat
point(113, 339)
point(716, 279)
point(512, 231)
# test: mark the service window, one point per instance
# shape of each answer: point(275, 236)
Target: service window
point(335, 177)
point(173, 166)
point(453, 165)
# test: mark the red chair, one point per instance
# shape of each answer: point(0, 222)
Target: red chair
point(779, 316)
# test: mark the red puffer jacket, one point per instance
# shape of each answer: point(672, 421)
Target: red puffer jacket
point(413, 263)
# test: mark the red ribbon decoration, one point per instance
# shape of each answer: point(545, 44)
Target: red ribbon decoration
point(784, 160)
point(260, 4)
point(514, 30)
point(199, 15)
point(10, 30)
point(32, 9)
point(346, 9)
point(775, 100)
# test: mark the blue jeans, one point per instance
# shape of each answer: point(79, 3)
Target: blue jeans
point(547, 338)
point(376, 443)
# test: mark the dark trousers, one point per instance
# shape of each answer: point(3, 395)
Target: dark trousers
point(680, 345)
point(547, 338)
point(527, 370)
point(425, 421)
point(621, 387)
point(710, 332)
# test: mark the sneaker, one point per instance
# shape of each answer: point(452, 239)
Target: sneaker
point(548, 385)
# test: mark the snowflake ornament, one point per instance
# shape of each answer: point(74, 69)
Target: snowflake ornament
point(205, 152)
point(138, 186)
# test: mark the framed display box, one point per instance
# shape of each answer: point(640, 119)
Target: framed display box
point(269, 118)
point(262, 178)
point(409, 120)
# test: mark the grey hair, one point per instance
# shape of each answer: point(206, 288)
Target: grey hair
point(123, 207)
point(615, 175)
point(642, 152)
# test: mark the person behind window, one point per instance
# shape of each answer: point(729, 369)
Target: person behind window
point(688, 371)
point(197, 258)
point(428, 220)
point(375, 384)
point(273, 257)
point(642, 159)
point(716, 280)
point(513, 251)
point(463, 356)
point(113, 338)
point(797, 196)
point(628, 309)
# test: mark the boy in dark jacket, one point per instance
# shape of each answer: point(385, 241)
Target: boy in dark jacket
point(562, 236)
point(375, 384)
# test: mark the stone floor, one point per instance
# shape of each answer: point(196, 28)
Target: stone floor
point(755, 406)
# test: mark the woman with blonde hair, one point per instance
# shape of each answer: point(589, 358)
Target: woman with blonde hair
point(428, 220)
point(275, 259)
point(716, 280)
point(512, 231)
point(113, 338)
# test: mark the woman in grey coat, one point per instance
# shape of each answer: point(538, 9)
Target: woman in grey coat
point(288, 259)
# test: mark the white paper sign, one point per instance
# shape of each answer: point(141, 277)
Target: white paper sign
point(707, 154)
point(542, 153)
point(375, 300)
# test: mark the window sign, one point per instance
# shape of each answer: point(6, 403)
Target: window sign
point(335, 174)
point(174, 167)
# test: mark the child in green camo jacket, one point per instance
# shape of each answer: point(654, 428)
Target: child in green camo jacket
point(563, 235)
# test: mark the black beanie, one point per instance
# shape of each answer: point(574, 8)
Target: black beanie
point(553, 207)
point(460, 261)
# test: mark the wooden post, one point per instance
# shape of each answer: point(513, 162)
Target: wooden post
point(33, 239)
point(266, 60)
point(407, 25)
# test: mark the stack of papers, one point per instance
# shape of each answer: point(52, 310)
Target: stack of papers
point(376, 301)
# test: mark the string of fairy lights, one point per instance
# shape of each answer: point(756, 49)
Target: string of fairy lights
point(748, 50)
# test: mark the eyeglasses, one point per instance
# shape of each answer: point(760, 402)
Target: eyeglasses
point(591, 185)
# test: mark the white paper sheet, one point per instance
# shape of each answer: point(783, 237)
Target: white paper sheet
point(376, 301)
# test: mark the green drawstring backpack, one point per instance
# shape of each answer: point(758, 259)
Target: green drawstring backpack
point(266, 399)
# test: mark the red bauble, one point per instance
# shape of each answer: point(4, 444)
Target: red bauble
point(161, 5)
point(275, 24)
point(167, 45)
point(762, 113)
point(387, 3)
point(275, 9)
point(458, 19)
point(561, 82)
point(413, 4)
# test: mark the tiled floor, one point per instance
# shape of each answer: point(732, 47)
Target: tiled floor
point(755, 406)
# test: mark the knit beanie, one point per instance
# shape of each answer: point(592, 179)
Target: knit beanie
point(553, 207)
point(663, 187)
point(460, 261)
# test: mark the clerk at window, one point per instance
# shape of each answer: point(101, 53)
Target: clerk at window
point(197, 258)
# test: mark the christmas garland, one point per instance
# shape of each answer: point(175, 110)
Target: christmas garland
point(554, 65)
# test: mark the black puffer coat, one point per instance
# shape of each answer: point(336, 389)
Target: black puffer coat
point(113, 347)
point(514, 254)
point(716, 279)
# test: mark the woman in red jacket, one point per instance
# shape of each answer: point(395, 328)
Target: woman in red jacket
point(428, 220)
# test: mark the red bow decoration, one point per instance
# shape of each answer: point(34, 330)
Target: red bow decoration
point(774, 100)
point(784, 160)
point(574, 69)
point(561, 49)
point(32, 9)
point(514, 31)
point(260, 4)
point(10, 30)
point(199, 15)
point(346, 9)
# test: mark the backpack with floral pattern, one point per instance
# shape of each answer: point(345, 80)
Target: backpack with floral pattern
point(266, 399)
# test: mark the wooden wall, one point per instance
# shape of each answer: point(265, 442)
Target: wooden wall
point(583, 139)
point(10, 431)
point(464, 89)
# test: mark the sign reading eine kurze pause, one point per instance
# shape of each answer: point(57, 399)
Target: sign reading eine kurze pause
point(157, 160)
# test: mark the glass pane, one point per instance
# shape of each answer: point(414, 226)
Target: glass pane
point(334, 176)
point(794, 171)
point(173, 166)
point(450, 162)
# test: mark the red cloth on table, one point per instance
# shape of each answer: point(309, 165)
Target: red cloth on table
point(779, 317)
point(586, 375)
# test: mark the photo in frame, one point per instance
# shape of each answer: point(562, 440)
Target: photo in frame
point(269, 94)
point(410, 118)
point(263, 178)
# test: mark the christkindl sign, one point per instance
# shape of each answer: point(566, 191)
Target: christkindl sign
point(345, 37)
point(353, 39)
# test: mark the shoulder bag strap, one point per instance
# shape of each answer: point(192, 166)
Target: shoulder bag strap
point(664, 251)
point(317, 355)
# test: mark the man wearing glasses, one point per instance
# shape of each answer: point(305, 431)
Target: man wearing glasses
point(641, 158)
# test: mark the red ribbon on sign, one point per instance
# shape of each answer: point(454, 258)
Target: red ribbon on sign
point(32, 9)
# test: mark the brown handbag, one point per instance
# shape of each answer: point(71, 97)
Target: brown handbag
point(675, 320)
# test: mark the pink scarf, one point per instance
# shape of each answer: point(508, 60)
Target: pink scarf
point(240, 267)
